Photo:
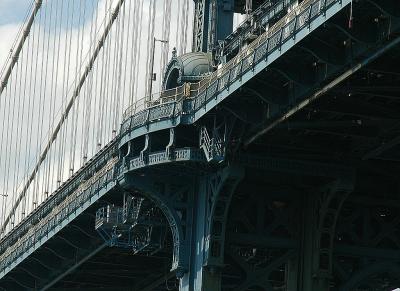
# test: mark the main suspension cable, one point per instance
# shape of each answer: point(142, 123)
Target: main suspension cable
point(64, 115)
point(15, 56)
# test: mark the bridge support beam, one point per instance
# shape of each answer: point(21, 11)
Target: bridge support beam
point(308, 278)
point(198, 277)
point(320, 214)
point(198, 231)
point(206, 260)
point(213, 22)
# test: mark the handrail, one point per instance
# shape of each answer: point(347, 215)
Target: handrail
point(205, 141)
point(73, 201)
point(68, 187)
point(263, 14)
point(202, 85)
point(37, 231)
point(36, 213)
point(162, 97)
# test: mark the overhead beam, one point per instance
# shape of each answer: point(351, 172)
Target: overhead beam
point(258, 240)
point(74, 267)
point(381, 149)
point(319, 93)
point(157, 282)
point(367, 252)
point(300, 167)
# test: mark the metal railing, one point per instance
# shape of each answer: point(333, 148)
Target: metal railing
point(156, 99)
point(199, 93)
point(60, 194)
point(109, 217)
point(87, 181)
point(262, 16)
point(156, 158)
point(205, 143)
point(70, 198)
point(296, 20)
point(58, 214)
point(214, 148)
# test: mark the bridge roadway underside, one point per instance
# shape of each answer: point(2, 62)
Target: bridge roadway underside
point(78, 259)
point(311, 204)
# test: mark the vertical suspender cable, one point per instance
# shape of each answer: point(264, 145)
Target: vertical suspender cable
point(128, 34)
point(99, 127)
point(118, 108)
point(42, 96)
point(4, 141)
point(106, 87)
point(136, 52)
point(114, 77)
point(139, 49)
point(182, 45)
point(18, 124)
point(27, 108)
point(76, 107)
point(165, 36)
point(178, 26)
point(46, 100)
point(150, 44)
point(64, 90)
point(97, 93)
point(89, 90)
point(57, 50)
point(10, 120)
point(32, 91)
point(64, 114)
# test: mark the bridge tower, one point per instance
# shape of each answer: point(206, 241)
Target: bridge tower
point(258, 175)
point(213, 22)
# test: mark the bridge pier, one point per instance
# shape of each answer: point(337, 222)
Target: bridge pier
point(320, 214)
point(309, 277)
point(199, 277)
point(236, 215)
point(206, 256)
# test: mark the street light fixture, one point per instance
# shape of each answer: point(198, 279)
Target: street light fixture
point(152, 66)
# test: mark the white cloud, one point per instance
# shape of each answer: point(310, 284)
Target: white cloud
point(12, 11)
point(7, 33)
point(47, 65)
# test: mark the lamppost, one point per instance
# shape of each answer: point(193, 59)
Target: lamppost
point(152, 66)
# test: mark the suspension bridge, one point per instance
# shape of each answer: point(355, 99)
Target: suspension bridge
point(268, 160)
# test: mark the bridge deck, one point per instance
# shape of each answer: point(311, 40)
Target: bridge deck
point(101, 175)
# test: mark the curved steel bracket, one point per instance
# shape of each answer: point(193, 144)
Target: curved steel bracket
point(222, 185)
point(145, 151)
point(169, 149)
point(372, 269)
point(160, 195)
point(387, 7)
point(368, 38)
point(329, 207)
point(323, 56)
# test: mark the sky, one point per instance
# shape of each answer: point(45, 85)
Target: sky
point(12, 11)
point(12, 14)
point(28, 115)
point(50, 62)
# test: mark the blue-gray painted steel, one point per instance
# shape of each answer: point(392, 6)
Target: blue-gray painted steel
point(76, 195)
